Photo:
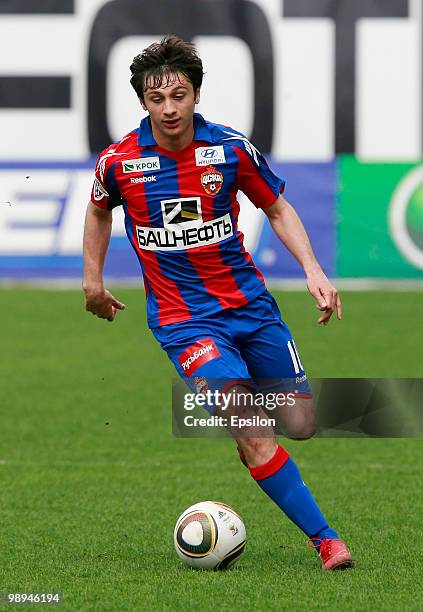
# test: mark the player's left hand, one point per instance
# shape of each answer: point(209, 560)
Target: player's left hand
point(326, 296)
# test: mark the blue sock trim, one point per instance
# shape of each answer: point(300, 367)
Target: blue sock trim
point(289, 492)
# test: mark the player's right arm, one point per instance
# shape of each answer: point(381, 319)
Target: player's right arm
point(98, 227)
point(97, 230)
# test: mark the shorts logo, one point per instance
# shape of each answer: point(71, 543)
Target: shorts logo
point(212, 180)
point(182, 211)
point(98, 191)
point(201, 384)
point(206, 156)
point(144, 164)
point(300, 379)
point(198, 354)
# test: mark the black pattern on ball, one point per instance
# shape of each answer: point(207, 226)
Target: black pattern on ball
point(209, 529)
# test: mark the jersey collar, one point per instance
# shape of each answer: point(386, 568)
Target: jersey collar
point(146, 138)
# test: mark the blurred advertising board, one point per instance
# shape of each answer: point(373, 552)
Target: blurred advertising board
point(380, 220)
point(42, 208)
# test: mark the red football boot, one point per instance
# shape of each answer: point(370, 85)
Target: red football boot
point(333, 553)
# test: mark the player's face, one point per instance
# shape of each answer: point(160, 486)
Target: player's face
point(171, 110)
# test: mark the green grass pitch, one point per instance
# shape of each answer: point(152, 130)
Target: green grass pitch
point(92, 480)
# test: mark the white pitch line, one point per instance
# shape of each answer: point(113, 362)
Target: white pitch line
point(352, 284)
point(292, 284)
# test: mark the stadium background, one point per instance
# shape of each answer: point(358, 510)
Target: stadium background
point(92, 478)
point(330, 91)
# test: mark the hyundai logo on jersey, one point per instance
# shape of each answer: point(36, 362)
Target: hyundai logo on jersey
point(205, 156)
point(209, 153)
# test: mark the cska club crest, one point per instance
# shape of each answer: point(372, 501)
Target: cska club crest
point(212, 180)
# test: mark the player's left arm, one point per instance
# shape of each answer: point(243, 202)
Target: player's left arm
point(291, 232)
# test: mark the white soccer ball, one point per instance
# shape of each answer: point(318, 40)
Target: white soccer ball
point(209, 535)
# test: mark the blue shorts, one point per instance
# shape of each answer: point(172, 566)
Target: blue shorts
point(251, 344)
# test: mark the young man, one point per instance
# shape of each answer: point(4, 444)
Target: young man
point(177, 177)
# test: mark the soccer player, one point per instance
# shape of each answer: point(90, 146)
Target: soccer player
point(177, 176)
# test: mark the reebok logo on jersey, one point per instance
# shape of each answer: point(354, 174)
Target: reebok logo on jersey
point(212, 180)
point(198, 354)
point(151, 178)
point(144, 164)
point(206, 156)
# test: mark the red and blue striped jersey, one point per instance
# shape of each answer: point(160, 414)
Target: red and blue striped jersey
point(181, 216)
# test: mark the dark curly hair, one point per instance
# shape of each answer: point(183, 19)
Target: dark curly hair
point(162, 60)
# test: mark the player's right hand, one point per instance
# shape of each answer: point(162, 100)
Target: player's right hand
point(102, 303)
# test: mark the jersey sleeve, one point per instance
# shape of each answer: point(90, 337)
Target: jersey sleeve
point(105, 192)
point(255, 178)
